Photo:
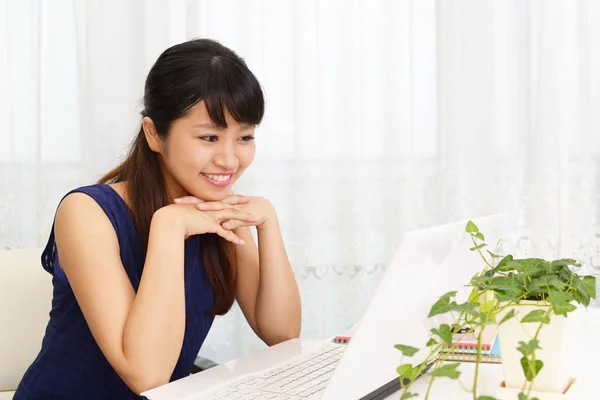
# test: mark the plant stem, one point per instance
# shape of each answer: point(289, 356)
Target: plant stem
point(421, 367)
point(481, 254)
point(431, 382)
point(477, 362)
point(532, 363)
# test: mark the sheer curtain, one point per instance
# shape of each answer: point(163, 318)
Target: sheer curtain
point(382, 116)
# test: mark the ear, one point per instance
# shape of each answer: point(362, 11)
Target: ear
point(152, 136)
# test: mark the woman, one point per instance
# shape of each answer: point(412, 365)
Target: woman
point(144, 260)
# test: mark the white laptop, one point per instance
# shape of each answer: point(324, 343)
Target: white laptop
point(429, 263)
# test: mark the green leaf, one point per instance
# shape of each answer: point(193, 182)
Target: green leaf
point(486, 398)
point(471, 227)
point(487, 319)
point(528, 348)
point(560, 302)
point(466, 307)
point(590, 283)
point(585, 289)
point(546, 281)
point(479, 246)
point(480, 281)
point(503, 262)
point(405, 371)
point(548, 267)
point(531, 373)
point(408, 395)
point(507, 286)
point(447, 370)
point(508, 316)
point(557, 265)
point(431, 342)
point(408, 351)
point(502, 297)
point(473, 296)
point(537, 316)
point(493, 255)
point(444, 333)
point(442, 305)
point(513, 265)
point(565, 274)
point(540, 287)
point(533, 272)
point(479, 236)
point(417, 371)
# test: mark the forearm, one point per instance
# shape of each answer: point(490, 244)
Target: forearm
point(155, 326)
point(278, 309)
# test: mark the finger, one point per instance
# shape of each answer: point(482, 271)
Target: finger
point(236, 223)
point(232, 213)
point(213, 206)
point(229, 235)
point(236, 199)
point(188, 200)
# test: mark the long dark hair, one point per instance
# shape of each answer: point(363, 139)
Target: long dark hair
point(184, 75)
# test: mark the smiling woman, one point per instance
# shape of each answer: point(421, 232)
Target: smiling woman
point(144, 260)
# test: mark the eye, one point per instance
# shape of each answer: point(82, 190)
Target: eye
point(209, 138)
point(246, 139)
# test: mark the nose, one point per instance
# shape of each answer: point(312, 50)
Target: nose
point(226, 157)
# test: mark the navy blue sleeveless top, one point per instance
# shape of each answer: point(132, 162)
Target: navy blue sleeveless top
point(70, 364)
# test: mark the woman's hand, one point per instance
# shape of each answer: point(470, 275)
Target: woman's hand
point(256, 206)
point(197, 222)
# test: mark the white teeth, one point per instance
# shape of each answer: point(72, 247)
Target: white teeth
point(219, 178)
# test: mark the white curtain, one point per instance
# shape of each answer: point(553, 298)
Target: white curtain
point(382, 116)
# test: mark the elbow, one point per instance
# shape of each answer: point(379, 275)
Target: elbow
point(275, 330)
point(143, 381)
point(285, 338)
point(281, 336)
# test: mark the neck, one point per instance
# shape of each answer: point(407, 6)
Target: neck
point(174, 189)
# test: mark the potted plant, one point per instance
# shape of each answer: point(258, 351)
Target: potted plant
point(528, 301)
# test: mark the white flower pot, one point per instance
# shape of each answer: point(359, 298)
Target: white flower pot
point(558, 341)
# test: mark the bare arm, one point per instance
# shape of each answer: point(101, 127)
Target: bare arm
point(266, 288)
point(139, 334)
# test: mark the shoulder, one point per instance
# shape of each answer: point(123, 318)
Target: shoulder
point(89, 208)
point(98, 197)
point(82, 227)
point(86, 216)
point(80, 211)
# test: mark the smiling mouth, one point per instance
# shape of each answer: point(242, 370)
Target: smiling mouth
point(218, 180)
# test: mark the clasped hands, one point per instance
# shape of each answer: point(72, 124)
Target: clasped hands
point(232, 212)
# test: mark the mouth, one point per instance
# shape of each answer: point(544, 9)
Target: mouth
point(218, 180)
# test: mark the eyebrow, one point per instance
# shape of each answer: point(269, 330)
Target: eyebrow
point(210, 125)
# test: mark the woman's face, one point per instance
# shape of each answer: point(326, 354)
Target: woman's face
point(200, 159)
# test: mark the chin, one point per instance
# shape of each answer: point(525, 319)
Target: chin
point(216, 194)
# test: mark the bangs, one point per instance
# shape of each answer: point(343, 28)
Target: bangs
point(232, 88)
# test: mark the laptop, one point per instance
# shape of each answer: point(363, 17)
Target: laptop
point(429, 263)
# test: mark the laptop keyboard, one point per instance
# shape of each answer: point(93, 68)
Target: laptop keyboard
point(298, 379)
